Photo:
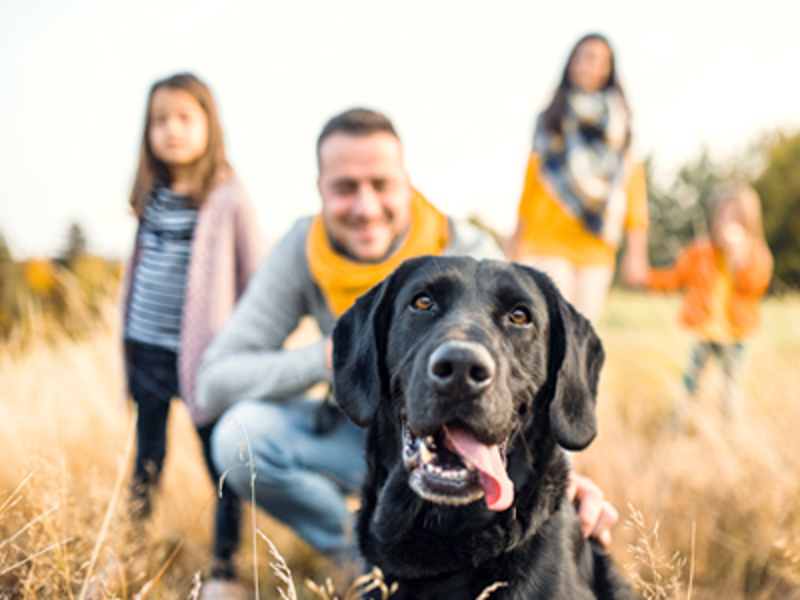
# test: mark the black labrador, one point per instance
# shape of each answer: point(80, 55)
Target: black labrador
point(472, 377)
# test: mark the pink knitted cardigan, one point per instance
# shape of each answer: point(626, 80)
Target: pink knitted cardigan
point(226, 248)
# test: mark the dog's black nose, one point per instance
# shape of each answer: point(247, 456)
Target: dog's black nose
point(460, 368)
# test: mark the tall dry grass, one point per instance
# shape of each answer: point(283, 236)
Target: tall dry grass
point(64, 431)
point(737, 483)
point(722, 495)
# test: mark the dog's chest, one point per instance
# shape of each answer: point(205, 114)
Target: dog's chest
point(492, 585)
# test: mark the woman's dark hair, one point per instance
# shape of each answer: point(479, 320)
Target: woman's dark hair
point(555, 112)
point(208, 167)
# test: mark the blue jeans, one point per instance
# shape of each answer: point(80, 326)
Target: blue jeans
point(731, 355)
point(153, 383)
point(301, 475)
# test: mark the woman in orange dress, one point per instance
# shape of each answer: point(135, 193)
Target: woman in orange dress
point(584, 191)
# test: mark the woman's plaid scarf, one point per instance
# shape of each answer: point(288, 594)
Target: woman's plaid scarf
point(584, 165)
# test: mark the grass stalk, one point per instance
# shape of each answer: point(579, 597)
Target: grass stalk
point(112, 504)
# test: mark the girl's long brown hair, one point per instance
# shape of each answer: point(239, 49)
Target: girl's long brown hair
point(555, 112)
point(208, 168)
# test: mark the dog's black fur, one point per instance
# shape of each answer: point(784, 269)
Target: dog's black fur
point(535, 393)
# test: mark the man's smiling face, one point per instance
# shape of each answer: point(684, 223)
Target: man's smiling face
point(366, 193)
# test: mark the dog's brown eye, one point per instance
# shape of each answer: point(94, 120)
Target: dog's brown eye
point(422, 302)
point(519, 316)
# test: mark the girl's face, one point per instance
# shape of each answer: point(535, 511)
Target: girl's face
point(590, 67)
point(178, 132)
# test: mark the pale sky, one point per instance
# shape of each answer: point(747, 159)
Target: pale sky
point(462, 81)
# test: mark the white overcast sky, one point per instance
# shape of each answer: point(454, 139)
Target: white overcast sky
point(461, 79)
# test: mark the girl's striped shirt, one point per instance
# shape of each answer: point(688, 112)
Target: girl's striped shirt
point(159, 282)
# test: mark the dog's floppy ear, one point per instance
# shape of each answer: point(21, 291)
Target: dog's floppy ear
point(575, 358)
point(359, 344)
point(572, 411)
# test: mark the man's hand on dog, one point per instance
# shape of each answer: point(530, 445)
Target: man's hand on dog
point(596, 514)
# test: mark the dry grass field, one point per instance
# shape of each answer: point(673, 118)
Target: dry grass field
point(708, 510)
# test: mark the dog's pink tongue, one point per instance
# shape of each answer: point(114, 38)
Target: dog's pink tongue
point(498, 489)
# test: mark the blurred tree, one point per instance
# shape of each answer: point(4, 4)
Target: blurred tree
point(5, 252)
point(43, 299)
point(778, 185)
point(8, 284)
point(678, 211)
point(75, 245)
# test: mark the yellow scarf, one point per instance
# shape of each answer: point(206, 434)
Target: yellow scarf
point(342, 280)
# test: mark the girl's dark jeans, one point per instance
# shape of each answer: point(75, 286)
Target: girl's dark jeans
point(153, 383)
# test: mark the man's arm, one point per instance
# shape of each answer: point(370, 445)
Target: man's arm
point(249, 242)
point(247, 358)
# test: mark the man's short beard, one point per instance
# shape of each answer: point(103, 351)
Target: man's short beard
point(340, 249)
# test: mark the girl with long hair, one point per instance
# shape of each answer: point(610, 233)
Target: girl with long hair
point(583, 188)
point(196, 245)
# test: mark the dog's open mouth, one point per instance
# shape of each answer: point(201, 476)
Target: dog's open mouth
point(452, 467)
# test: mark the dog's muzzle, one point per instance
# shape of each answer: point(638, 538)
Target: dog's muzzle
point(461, 369)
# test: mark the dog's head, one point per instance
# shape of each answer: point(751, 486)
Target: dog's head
point(467, 360)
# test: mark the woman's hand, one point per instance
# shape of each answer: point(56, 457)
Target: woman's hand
point(635, 268)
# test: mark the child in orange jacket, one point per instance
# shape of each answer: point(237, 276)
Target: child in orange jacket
point(723, 277)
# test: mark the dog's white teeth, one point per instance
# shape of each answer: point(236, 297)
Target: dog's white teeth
point(445, 473)
point(455, 475)
point(425, 455)
point(469, 465)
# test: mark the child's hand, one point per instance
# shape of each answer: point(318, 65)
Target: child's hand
point(735, 244)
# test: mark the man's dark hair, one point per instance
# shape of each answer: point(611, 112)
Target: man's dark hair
point(358, 122)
